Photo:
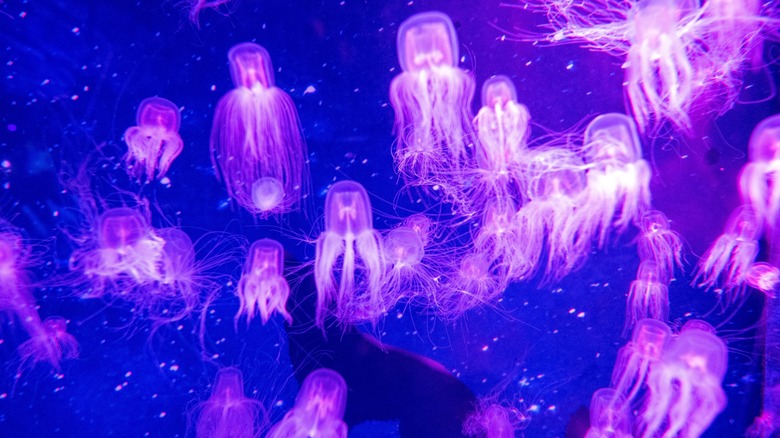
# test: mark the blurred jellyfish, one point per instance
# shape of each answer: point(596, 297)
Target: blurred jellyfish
point(470, 285)
point(493, 421)
point(319, 408)
point(758, 177)
point(648, 296)
point(555, 192)
point(349, 234)
point(660, 244)
point(637, 358)
point(262, 288)
point(727, 261)
point(618, 178)
point(49, 342)
point(684, 387)
point(195, 7)
point(228, 413)
point(154, 143)
point(176, 292)
point(257, 134)
point(404, 252)
point(432, 100)
point(764, 277)
point(610, 415)
point(503, 131)
point(496, 240)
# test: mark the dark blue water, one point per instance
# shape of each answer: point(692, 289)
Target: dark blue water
point(73, 74)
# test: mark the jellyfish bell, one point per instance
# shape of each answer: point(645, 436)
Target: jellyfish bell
point(262, 288)
point(250, 66)
point(323, 394)
point(427, 40)
point(764, 277)
point(764, 145)
point(421, 225)
point(267, 194)
point(228, 412)
point(228, 385)
point(121, 227)
point(612, 137)
point(498, 91)
point(609, 415)
point(403, 247)
point(159, 112)
point(154, 143)
point(347, 209)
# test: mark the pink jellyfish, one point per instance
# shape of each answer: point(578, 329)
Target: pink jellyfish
point(228, 413)
point(496, 240)
point(175, 293)
point(154, 143)
point(727, 261)
point(432, 100)
point(49, 342)
point(758, 178)
point(648, 296)
point(470, 285)
point(639, 356)
point(125, 249)
point(684, 387)
point(256, 137)
point(503, 131)
point(556, 186)
point(262, 288)
point(610, 415)
point(319, 408)
point(659, 243)
point(618, 177)
point(404, 251)
point(493, 421)
point(349, 234)
point(764, 277)
point(195, 7)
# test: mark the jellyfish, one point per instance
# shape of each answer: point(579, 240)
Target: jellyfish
point(496, 240)
point(684, 387)
point(176, 292)
point(493, 421)
point(228, 413)
point(618, 179)
point(503, 131)
point(639, 356)
point(764, 277)
point(195, 7)
point(349, 234)
point(154, 143)
point(262, 288)
point(660, 244)
point(125, 248)
point(758, 177)
point(404, 252)
point(256, 134)
point(555, 192)
point(432, 99)
point(727, 261)
point(49, 342)
point(610, 415)
point(470, 285)
point(319, 408)
point(648, 295)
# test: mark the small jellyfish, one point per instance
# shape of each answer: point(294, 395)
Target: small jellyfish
point(471, 285)
point(496, 240)
point(758, 178)
point(555, 191)
point(684, 388)
point(262, 288)
point(503, 131)
point(432, 99)
point(637, 358)
point(124, 248)
point(404, 252)
point(176, 293)
point(195, 7)
point(764, 277)
point(618, 179)
point(610, 416)
point(659, 243)
point(49, 342)
point(154, 143)
point(319, 408)
point(494, 421)
point(256, 134)
point(228, 413)
point(349, 234)
point(727, 261)
point(648, 295)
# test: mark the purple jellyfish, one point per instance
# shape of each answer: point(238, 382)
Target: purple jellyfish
point(618, 177)
point(764, 277)
point(648, 296)
point(349, 234)
point(684, 387)
point(432, 100)
point(610, 415)
point(154, 143)
point(262, 288)
point(503, 131)
point(228, 413)
point(256, 137)
point(639, 356)
point(727, 261)
point(319, 408)
point(49, 342)
point(758, 177)
point(659, 243)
